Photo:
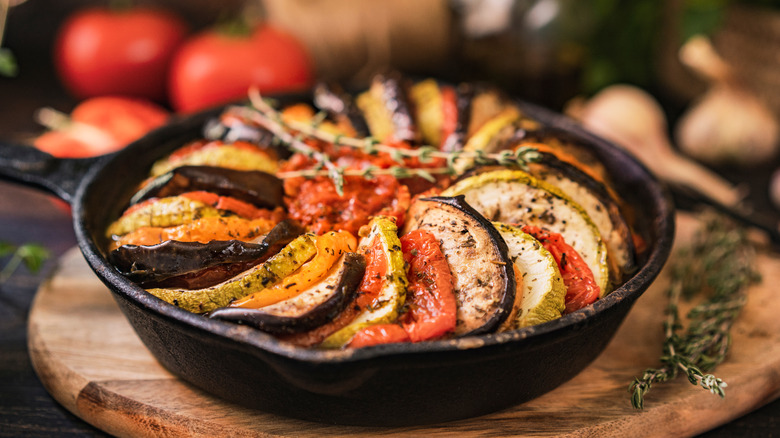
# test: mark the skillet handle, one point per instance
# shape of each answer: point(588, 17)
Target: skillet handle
point(32, 167)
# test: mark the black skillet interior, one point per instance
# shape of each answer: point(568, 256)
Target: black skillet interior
point(397, 384)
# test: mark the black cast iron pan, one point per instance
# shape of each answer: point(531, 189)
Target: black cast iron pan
point(396, 384)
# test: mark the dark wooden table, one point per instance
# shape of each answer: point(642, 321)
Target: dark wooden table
point(26, 409)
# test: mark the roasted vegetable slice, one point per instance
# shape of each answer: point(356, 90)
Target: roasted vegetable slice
point(515, 197)
point(483, 278)
point(284, 263)
point(476, 105)
point(311, 308)
point(339, 105)
point(202, 230)
point(387, 110)
point(543, 290)
point(161, 212)
point(330, 247)
point(430, 310)
point(602, 208)
point(155, 263)
point(258, 188)
point(428, 103)
point(238, 155)
point(383, 290)
point(581, 288)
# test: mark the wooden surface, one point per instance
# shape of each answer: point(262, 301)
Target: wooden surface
point(90, 360)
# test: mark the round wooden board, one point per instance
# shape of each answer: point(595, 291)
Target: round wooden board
point(90, 360)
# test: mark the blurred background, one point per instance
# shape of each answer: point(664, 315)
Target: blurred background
point(557, 53)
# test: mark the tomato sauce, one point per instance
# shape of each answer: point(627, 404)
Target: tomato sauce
point(316, 203)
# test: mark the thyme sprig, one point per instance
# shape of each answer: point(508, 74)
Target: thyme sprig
point(456, 162)
point(718, 265)
point(32, 255)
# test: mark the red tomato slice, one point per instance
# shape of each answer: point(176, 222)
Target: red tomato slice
point(581, 287)
point(449, 112)
point(431, 304)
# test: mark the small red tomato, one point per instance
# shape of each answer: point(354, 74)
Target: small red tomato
point(120, 52)
point(215, 67)
point(101, 125)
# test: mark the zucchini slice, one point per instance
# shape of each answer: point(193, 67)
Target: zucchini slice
point(602, 208)
point(515, 197)
point(482, 273)
point(427, 101)
point(309, 309)
point(238, 155)
point(289, 259)
point(161, 212)
point(543, 290)
point(387, 306)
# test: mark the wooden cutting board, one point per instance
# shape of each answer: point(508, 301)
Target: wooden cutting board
point(91, 361)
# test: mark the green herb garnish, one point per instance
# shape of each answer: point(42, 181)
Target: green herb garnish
point(717, 267)
point(32, 255)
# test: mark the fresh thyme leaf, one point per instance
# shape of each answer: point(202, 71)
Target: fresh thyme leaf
point(718, 268)
point(33, 255)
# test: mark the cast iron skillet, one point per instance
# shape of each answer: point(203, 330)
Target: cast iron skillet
point(397, 384)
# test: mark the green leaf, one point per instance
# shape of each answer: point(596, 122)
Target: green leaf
point(8, 66)
point(33, 255)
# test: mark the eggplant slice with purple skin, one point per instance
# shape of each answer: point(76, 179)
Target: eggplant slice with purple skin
point(311, 308)
point(332, 99)
point(258, 188)
point(237, 130)
point(483, 276)
point(194, 265)
point(387, 109)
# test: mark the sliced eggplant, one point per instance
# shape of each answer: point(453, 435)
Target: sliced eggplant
point(392, 295)
point(284, 263)
point(237, 155)
point(161, 212)
point(232, 127)
point(602, 208)
point(311, 308)
point(484, 280)
point(543, 291)
point(153, 264)
point(339, 105)
point(515, 197)
point(259, 188)
point(387, 110)
point(476, 105)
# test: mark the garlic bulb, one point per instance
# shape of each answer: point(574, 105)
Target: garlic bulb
point(729, 125)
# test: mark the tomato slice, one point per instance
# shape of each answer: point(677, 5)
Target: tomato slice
point(581, 287)
point(368, 291)
point(227, 203)
point(431, 301)
point(449, 112)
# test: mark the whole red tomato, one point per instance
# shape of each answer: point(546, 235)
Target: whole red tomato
point(118, 52)
point(215, 67)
